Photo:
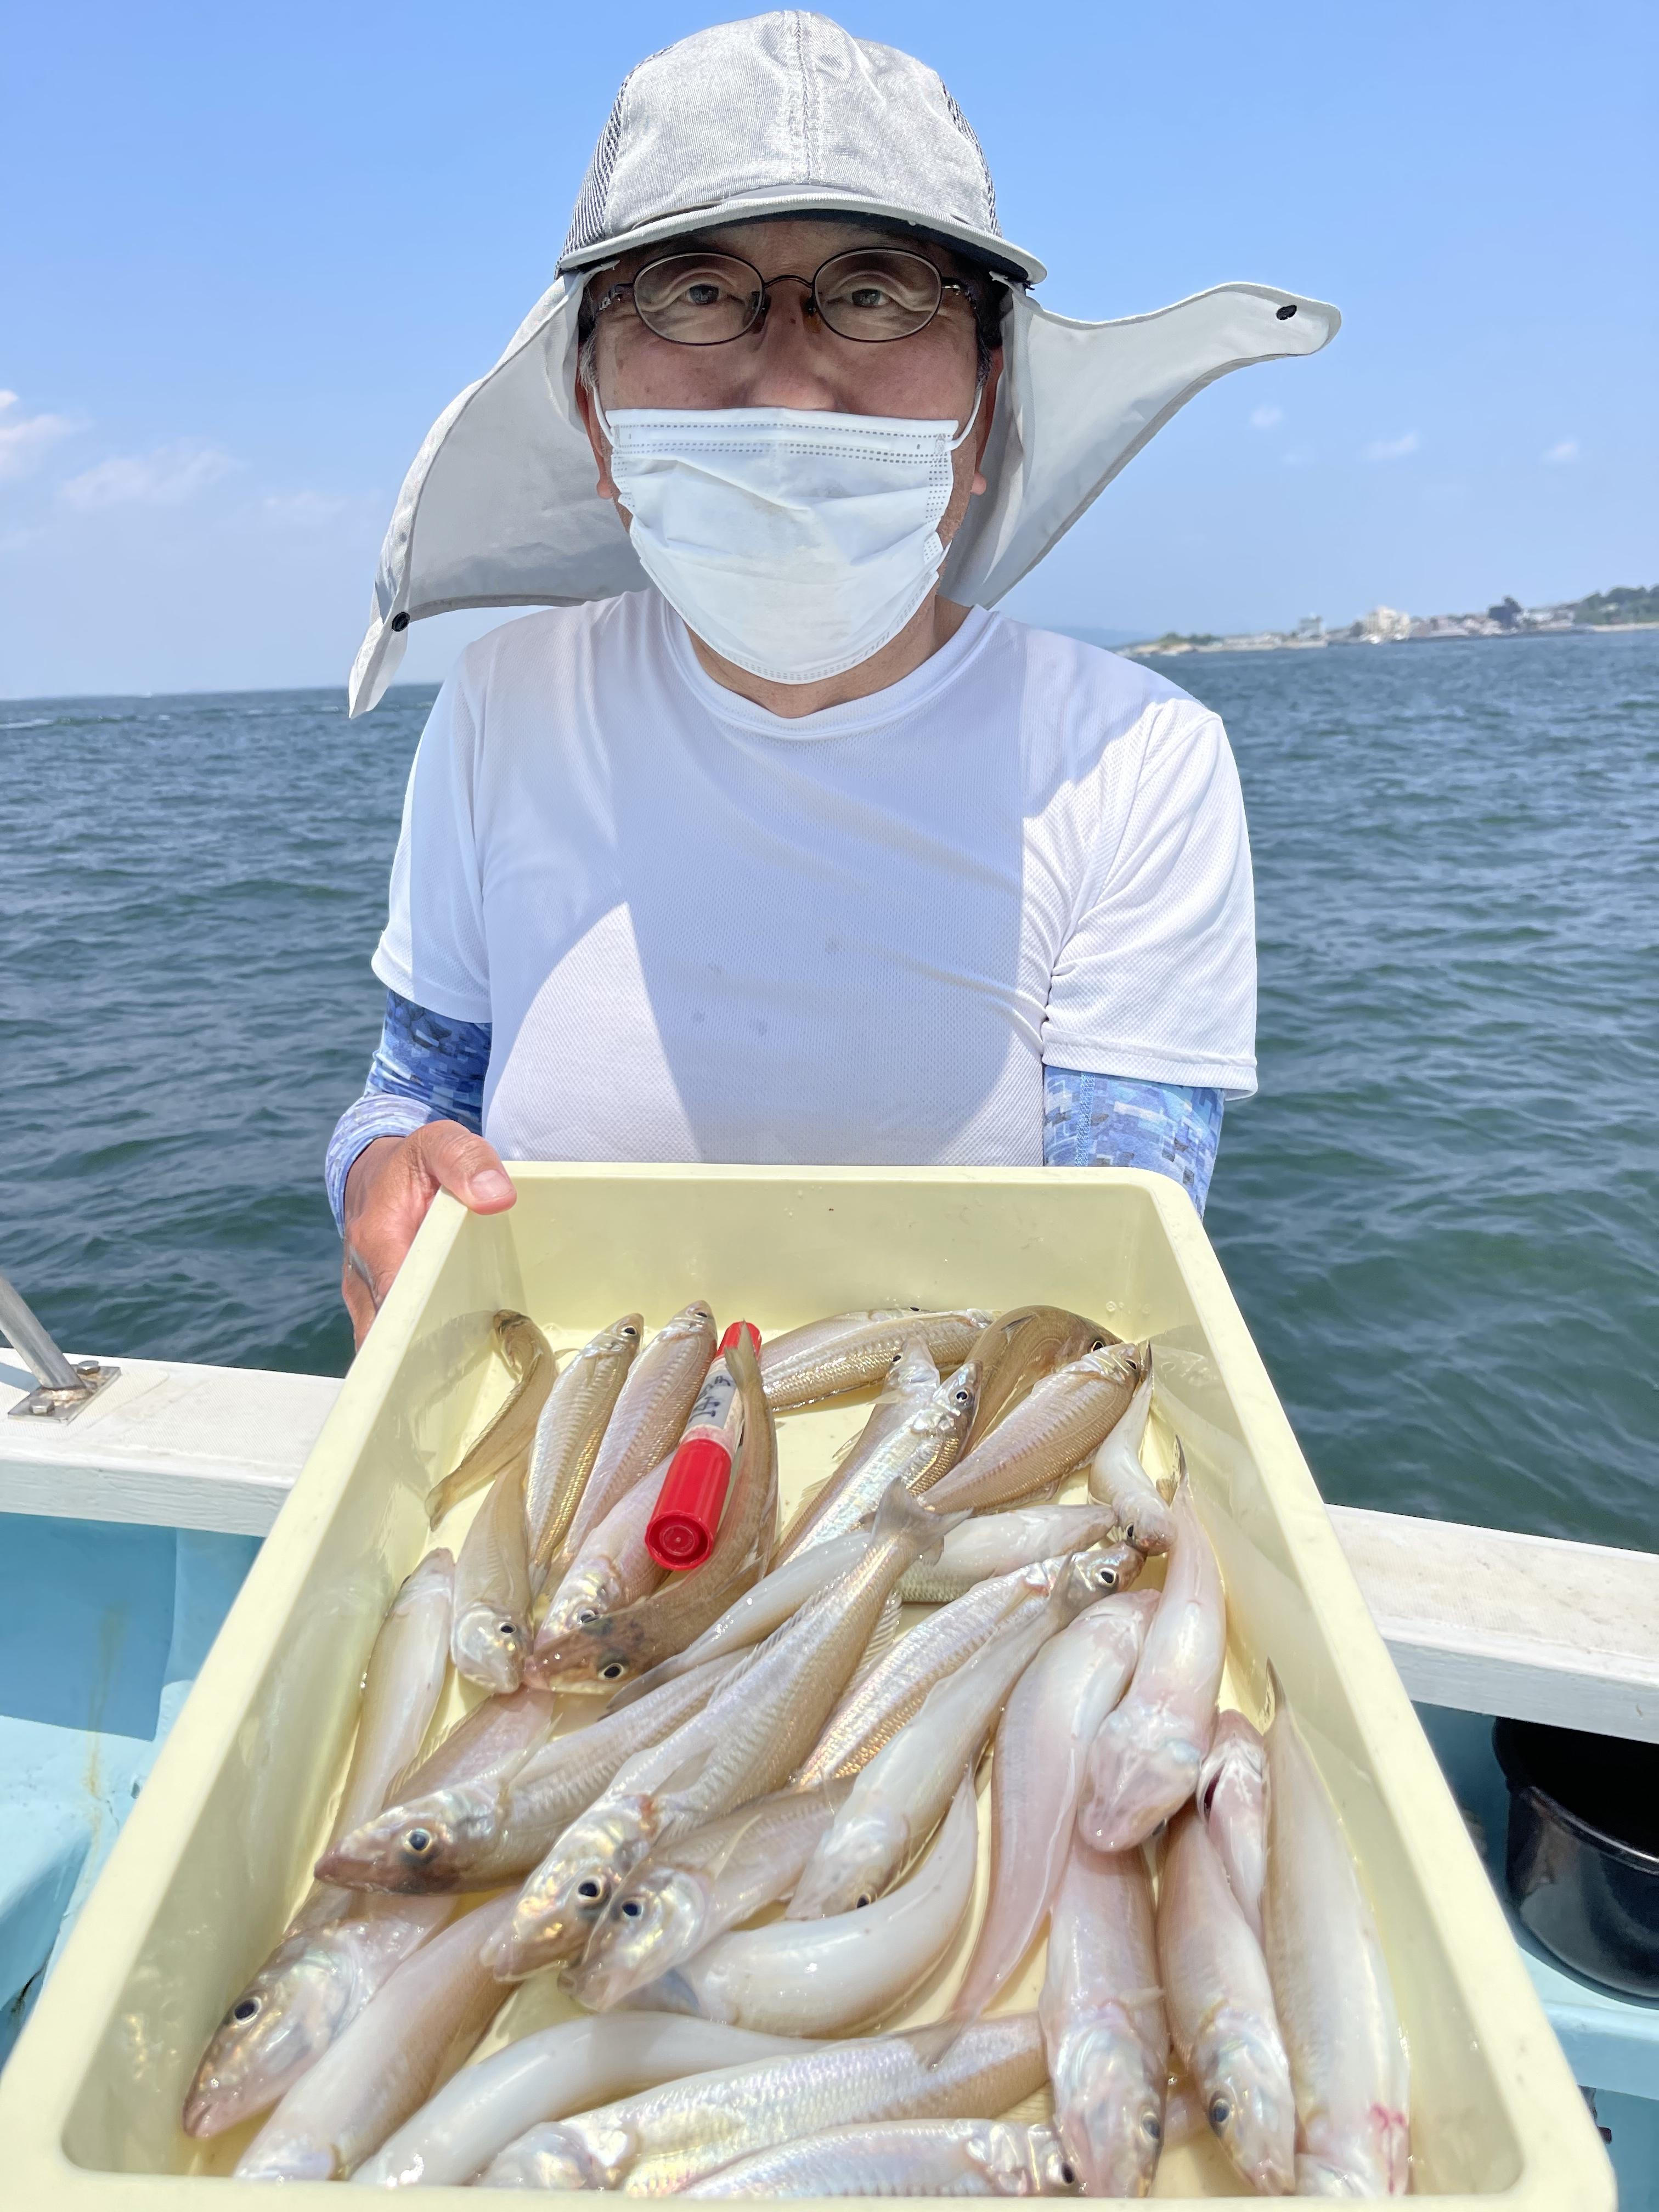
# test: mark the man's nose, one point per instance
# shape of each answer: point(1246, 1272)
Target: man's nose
point(787, 363)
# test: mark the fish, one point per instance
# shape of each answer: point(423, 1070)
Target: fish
point(852, 1349)
point(659, 2143)
point(306, 1995)
point(505, 1438)
point(917, 1453)
point(475, 1830)
point(898, 1799)
point(619, 1647)
point(1020, 1348)
point(909, 1384)
point(1145, 1759)
point(1117, 1479)
point(882, 1701)
point(1041, 1438)
point(1104, 2023)
point(431, 2009)
point(489, 1638)
point(542, 2076)
point(746, 1741)
point(689, 1893)
point(611, 1567)
point(654, 1407)
point(997, 1543)
point(568, 1437)
point(402, 1685)
point(780, 1594)
point(1220, 2006)
point(905, 2157)
point(1232, 1803)
point(497, 1736)
point(1331, 1983)
point(826, 1976)
point(1036, 1779)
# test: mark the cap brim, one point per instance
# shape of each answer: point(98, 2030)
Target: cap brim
point(1008, 259)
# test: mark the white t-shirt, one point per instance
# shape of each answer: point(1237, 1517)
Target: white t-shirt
point(705, 932)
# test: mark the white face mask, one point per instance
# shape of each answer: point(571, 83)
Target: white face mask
point(794, 542)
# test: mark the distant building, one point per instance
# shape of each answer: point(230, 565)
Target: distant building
point(1385, 626)
point(1311, 629)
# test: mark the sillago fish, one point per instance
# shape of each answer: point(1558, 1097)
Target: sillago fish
point(891, 1693)
point(905, 2157)
point(656, 2144)
point(429, 2014)
point(1036, 1779)
point(1017, 1349)
point(1045, 1435)
point(1145, 1759)
point(1220, 2006)
point(746, 1741)
point(798, 1368)
point(498, 1735)
point(689, 1893)
point(898, 1799)
point(1117, 1479)
point(619, 1647)
point(998, 1543)
point(566, 2068)
point(776, 1597)
point(402, 1685)
point(1232, 1802)
point(489, 1638)
point(1104, 2024)
point(653, 1408)
point(909, 1385)
point(568, 1436)
point(825, 1977)
point(1331, 1983)
point(611, 1566)
point(922, 1449)
point(493, 1826)
point(506, 1435)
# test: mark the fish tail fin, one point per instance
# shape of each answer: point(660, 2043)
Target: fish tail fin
point(934, 2042)
point(901, 1515)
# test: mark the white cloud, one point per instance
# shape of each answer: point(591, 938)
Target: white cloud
point(1559, 456)
point(25, 438)
point(167, 476)
point(1265, 417)
point(1392, 449)
point(300, 510)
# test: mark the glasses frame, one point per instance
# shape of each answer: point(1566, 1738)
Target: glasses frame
point(763, 286)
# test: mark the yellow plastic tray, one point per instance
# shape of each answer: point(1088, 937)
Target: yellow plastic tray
point(219, 1843)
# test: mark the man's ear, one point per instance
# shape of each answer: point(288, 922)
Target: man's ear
point(605, 488)
point(987, 406)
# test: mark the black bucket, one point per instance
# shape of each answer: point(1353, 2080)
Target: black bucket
point(1583, 1862)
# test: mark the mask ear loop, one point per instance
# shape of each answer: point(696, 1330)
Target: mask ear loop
point(961, 438)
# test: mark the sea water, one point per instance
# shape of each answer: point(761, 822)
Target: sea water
point(1440, 1213)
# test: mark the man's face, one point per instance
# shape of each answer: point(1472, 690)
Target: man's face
point(791, 359)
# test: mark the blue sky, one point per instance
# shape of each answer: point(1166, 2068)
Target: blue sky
point(251, 252)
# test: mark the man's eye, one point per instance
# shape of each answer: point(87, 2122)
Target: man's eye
point(867, 295)
point(702, 295)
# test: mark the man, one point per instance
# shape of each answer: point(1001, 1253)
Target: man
point(767, 840)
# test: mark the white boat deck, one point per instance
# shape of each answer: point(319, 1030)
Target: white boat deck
point(1476, 1618)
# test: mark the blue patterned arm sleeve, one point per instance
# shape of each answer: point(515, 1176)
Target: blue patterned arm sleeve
point(1115, 1122)
point(426, 1068)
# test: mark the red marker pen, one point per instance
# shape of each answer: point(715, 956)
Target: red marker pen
point(693, 1495)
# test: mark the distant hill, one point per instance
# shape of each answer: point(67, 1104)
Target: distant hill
point(1109, 638)
point(1625, 602)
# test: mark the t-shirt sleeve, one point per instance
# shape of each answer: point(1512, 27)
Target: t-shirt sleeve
point(1156, 978)
point(434, 948)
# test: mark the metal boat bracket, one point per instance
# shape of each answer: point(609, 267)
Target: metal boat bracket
point(64, 1386)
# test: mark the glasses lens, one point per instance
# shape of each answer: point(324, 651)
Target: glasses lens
point(876, 293)
point(697, 299)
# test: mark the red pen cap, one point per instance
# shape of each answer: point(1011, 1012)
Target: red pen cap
point(688, 1505)
point(737, 1329)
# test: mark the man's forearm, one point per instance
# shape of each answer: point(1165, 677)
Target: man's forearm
point(426, 1068)
point(1120, 1121)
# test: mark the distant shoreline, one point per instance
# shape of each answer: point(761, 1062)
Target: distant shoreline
point(1161, 652)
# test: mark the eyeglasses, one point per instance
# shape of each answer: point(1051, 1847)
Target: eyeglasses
point(872, 294)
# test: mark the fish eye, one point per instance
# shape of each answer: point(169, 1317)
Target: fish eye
point(508, 1628)
point(863, 1898)
point(1106, 1578)
point(582, 1618)
point(1153, 2128)
point(1068, 2174)
point(587, 1890)
point(246, 2009)
point(419, 1840)
point(1097, 1344)
point(1220, 2112)
point(612, 1671)
point(632, 1909)
point(630, 1330)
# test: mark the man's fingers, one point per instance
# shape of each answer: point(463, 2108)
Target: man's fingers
point(466, 1167)
point(358, 1300)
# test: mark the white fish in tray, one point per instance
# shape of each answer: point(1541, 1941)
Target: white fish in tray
point(657, 2144)
point(1117, 1479)
point(1233, 1801)
point(826, 1977)
point(917, 1452)
point(909, 1384)
point(1001, 1543)
point(489, 1639)
point(1331, 1983)
point(611, 1568)
point(905, 2157)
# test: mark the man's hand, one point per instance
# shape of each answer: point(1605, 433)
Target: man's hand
point(392, 1183)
